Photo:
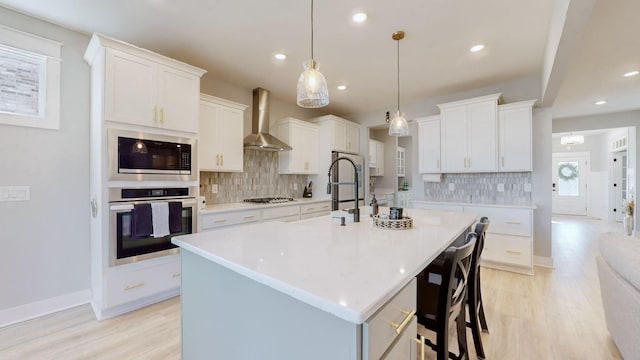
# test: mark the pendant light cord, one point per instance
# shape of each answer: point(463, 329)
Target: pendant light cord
point(311, 29)
point(398, 74)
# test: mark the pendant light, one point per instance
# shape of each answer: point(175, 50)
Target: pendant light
point(398, 125)
point(312, 86)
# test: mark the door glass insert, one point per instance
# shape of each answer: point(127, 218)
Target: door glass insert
point(568, 179)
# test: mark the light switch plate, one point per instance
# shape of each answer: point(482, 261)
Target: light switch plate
point(527, 187)
point(15, 193)
point(295, 186)
point(214, 188)
point(452, 187)
point(500, 187)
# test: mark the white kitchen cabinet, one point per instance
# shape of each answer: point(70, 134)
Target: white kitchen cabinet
point(308, 211)
point(401, 162)
point(515, 137)
point(214, 220)
point(282, 213)
point(142, 88)
point(221, 132)
point(378, 169)
point(373, 154)
point(468, 131)
point(303, 137)
point(429, 145)
point(342, 135)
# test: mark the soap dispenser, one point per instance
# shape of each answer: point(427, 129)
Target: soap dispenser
point(374, 206)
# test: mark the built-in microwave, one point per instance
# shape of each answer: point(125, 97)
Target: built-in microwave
point(144, 156)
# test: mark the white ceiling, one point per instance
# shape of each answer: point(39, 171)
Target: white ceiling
point(235, 40)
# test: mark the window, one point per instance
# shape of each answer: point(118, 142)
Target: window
point(29, 80)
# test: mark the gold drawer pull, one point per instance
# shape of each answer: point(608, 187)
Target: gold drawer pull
point(326, 207)
point(513, 222)
point(422, 343)
point(175, 275)
point(401, 326)
point(129, 287)
point(249, 217)
point(311, 209)
point(513, 252)
point(221, 221)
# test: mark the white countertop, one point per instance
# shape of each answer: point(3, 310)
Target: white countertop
point(349, 271)
point(250, 206)
point(505, 205)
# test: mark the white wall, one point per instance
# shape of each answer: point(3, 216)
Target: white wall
point(45, 241)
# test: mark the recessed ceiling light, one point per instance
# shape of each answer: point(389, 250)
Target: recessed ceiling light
point(342, 87)
point(601, 102)
point(631, 73)
point(280, 56)
point(359, 17)
point(476, 48)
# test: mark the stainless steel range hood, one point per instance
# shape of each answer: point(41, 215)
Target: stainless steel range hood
point(260, 139)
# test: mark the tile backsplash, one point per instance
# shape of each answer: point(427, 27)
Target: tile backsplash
point(259, 179)
point(481, 188)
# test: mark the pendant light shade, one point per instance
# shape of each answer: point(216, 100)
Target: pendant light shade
point(398, 125)
point(312, 91)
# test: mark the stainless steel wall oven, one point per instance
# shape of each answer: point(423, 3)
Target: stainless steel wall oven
point(126, 212)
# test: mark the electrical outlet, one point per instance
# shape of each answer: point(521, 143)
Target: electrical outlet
point(15, 193)
point(452, 187)
point(527, 187)
point(214, 188)
point(500, 187)
point(295, 186)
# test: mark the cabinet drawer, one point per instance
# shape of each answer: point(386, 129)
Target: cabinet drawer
point(404, 347)
point(280, 212)
point(323, 207)
point(508, 249)
point(216, 220)
point(508, 221)
point(128, 286)
point(380, 331)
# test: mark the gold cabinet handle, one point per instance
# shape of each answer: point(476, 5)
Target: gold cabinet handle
point(221, 159)
point(129, 287)
point(175, 275)
point(513, 252)
point(403, 324)
point(513, 222)
point(217, 159)
point(161, 115)
point(155, 113)
point(249, 217)
point(311, 209)
point(221, 221)
point(422, 343)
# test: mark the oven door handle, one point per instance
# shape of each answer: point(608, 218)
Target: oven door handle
point(126, 207)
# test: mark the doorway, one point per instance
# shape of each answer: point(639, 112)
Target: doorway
point(569, 183)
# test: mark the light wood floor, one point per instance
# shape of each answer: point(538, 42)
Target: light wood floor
point(556, 314)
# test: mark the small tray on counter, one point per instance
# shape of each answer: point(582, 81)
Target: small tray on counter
point(393, 224)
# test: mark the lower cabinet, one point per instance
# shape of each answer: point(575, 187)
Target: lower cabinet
point(131, 286)
point(390, 329)
point(509, 240)
point(309, 211)
point(218, 219)
point(282, 213)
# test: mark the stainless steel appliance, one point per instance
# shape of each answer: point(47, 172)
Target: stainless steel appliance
point(269, 200)
point(135, 156)
point(123, 247)
point(260, 139)
point(343, 196)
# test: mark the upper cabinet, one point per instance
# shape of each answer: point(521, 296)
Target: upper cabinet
point(221, 134)
point(139, 87)
point(429, 144)
point(514, 127)
point(303, 138)
point(469, 135)
point(343, 135)
point(376, 154)
point(401, 161)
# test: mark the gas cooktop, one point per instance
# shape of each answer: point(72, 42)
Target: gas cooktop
point(269, 200)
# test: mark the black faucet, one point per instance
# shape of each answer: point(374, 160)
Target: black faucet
point(356, 209)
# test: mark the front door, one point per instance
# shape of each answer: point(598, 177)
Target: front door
point(569, 188)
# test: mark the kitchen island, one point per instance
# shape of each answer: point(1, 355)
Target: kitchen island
point(310, 289)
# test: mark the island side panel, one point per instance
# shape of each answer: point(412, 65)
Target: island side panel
point(226, 315)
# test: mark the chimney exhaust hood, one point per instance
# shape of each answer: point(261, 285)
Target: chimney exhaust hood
point(260, 139)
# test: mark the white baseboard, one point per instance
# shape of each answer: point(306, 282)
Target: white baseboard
point(543, 261)
point(43, 307)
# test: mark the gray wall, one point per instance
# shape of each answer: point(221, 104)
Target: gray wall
point(45, 241)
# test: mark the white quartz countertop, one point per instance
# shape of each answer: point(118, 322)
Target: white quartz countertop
point(349, 271)
point(505, 205)
point(213, 208)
